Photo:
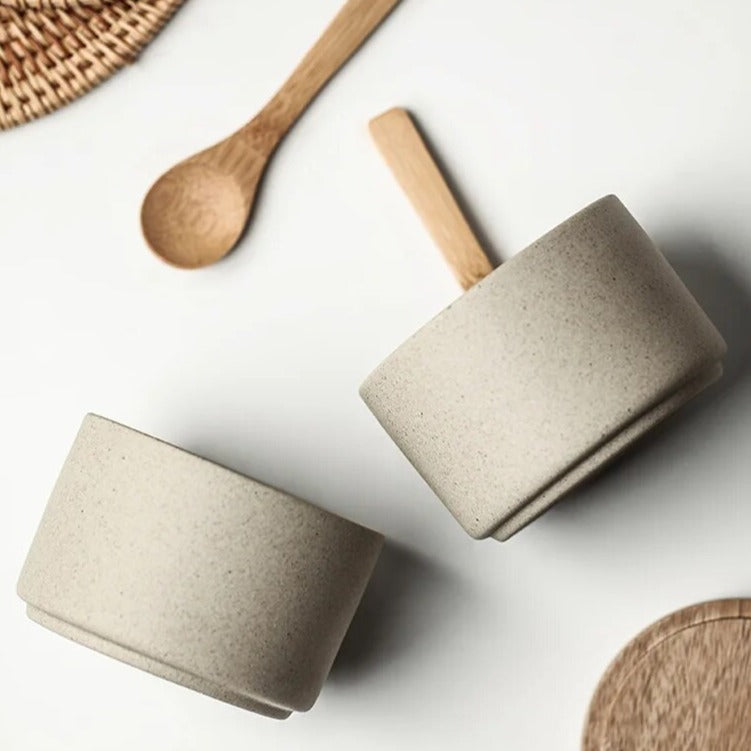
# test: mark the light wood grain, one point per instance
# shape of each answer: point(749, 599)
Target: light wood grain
point(352, 26)
point(683, 684)
point(408, 156)
point(195, 213)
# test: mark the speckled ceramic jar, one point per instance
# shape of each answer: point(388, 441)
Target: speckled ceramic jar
point(545, 370)
point(193, 572)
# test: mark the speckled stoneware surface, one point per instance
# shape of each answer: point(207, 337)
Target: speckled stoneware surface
point(545, 370)
point(193, 572)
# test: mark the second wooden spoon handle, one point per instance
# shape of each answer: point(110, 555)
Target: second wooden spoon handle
point(408, 157)
point(354, 23)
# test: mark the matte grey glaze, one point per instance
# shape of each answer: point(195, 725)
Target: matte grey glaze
point(545, 370)
point(193, 572)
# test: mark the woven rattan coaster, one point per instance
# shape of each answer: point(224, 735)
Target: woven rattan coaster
point(53, 51)
point(684, 684)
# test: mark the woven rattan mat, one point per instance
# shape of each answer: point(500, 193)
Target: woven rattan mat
point(53, 51)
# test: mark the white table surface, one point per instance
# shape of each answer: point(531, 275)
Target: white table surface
point(536, 108)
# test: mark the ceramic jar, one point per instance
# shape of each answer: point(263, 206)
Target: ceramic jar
point(545, 370)
point(195, 573)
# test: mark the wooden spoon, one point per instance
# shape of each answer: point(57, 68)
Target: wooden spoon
point(407, 155)
point(195, 213)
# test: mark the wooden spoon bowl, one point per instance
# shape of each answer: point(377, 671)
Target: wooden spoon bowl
point(194, 215)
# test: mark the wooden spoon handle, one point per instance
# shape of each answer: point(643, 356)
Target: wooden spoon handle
point(408, 157)
point(354, 23)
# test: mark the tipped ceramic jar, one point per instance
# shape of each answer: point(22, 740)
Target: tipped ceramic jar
point(195, 573)
point(545, 370)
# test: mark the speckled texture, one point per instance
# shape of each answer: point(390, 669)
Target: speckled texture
point(545, 370)
point(193, 572)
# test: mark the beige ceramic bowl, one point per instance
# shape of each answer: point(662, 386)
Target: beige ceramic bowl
point(195, 573)
point(545, 370)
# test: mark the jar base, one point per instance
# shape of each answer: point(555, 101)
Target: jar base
point(606, 453)
point(153, 665)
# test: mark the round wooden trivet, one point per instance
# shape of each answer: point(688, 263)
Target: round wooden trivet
point(53, 51)
point(684, 684)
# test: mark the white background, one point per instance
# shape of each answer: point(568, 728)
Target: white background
point(537, 108)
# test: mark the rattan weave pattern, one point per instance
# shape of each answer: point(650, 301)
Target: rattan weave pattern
point(53, 51)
